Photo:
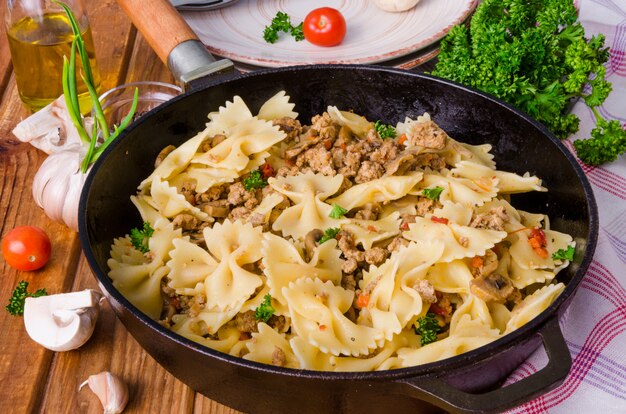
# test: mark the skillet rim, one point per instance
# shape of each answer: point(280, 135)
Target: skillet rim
point(483, 353)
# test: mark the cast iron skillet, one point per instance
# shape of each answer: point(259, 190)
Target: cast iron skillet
point(465, 383)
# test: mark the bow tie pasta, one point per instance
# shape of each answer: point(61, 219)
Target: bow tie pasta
point(338, 245)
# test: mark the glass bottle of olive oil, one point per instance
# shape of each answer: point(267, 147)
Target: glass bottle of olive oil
point(40, 35)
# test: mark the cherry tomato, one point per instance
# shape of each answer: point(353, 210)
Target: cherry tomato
point(26, 248)
point(324, 27)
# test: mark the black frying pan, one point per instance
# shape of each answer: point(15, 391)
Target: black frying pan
point(466, 383)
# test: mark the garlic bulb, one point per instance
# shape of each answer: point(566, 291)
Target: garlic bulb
point(62, 322)
point(57, 186)
point(59, 182)
point(396, 5)
point(112, 391)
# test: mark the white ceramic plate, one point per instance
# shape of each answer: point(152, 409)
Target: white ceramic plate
point(373, 36)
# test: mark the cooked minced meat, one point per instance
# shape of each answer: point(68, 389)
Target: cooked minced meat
point(289, 126)
point(368, 171)
point(429, 135)
point(494, 219)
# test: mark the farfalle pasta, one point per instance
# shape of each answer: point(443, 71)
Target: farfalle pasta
point(327, 246)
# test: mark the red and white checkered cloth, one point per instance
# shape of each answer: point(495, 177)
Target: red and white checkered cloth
point(596, 319)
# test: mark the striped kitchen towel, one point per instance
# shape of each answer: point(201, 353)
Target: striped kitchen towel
point(596, 319)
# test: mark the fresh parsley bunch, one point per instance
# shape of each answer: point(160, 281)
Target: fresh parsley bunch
point(534, 55)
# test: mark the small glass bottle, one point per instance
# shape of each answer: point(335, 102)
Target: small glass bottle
point(40, 35)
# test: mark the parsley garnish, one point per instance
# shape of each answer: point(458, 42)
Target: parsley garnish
point(17, 300)
point(139, 238)
point(254, 180)
point(564, 254)
point(297, 33)
point(282, 23)
point(427, 328)
point(329, 233)
point(265, 310)
point(385, 131)
point(337, 211)
point(432, 193)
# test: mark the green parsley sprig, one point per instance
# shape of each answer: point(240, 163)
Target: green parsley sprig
point(17, 300)
point(265, 310)
point(427, 328)
point(432, 193)
point(140, 238)
point(534, 55)
point(564, 254)
point(329, 233)
point(282, 23)
point(337, 212)
point(384, 131)
point(254, 180)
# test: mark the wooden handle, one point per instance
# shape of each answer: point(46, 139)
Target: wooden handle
point(159, 23)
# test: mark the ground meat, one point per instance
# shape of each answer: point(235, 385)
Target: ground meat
point(318, 159)
point(425, 205)
point(196, 305)
point(188, 191)
point(279, 323)
point(370, 211)
point(185, 222)
point(163, 154)
point(492, 220)
point(239, 213)
point(387, 151)
point(347, 246)
point(238, 195)
point(246, 322)
point(426, 291)
point(373, 140)
point(325, 127)
point(289, 126)
point(352, 160)
point(212, 194)
point(428, 134)
point(443, 307)
point(349, 266)
point(397, 243)
point(287, 170)
point(376, 255)
point(369, 171)
point(279, 358)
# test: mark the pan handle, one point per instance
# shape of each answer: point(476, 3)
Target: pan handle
point(173, 40)
point(437, 391)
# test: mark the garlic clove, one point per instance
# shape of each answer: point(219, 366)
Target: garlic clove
point(110, 389)
point(62, 322)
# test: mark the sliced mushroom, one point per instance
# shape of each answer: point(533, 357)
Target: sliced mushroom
point(493, 287)
point(310, 242)
point(64, 321)
point(163, 154)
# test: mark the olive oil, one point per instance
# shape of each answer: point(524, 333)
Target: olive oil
point(38, 45)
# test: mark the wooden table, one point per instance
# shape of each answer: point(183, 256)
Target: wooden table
point(34, 379)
